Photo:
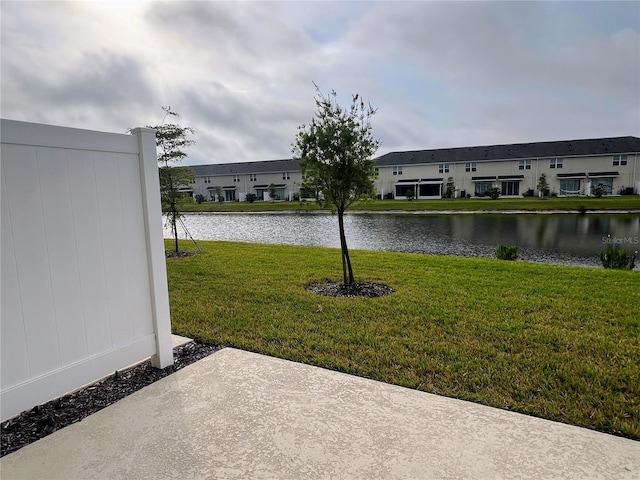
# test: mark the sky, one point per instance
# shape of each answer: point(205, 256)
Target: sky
point(241, 74)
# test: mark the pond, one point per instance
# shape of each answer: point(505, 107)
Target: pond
point(551, 238)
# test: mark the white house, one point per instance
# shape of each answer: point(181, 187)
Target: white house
point(572, 167)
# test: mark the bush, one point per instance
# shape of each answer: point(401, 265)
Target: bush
point(494, 193)
point(618, 259)
point(507, 252)
point(528, 193)
point(199, 198)
point(251, 197)
point(410, 195)
point(599, 190)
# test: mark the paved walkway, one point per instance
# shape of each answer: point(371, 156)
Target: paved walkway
point(239, 415)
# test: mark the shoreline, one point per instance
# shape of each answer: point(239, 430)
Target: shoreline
point(425, 212)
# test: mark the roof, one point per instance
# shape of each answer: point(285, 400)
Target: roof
point(564, 148)
point(266, 166)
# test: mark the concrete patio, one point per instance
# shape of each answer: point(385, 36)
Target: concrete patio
point(240, 415)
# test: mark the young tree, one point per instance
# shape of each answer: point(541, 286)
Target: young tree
point(543, 186)
point(335, 152)
point(451, 188)
point(272, 192)
point(171, 140)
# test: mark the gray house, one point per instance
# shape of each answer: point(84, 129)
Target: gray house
point(571, 167)
point(236, 180)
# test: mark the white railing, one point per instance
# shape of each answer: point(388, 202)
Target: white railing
point(84, 285)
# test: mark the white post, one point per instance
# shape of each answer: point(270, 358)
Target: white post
point(152, 208)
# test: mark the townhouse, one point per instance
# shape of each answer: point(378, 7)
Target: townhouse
point(572, 167)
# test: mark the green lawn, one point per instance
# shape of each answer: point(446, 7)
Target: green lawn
point(557, 342)
point(625, 202)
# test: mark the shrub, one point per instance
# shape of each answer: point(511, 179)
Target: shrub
point(494, 193)
point(199, 198)
point(507, 252)
point(528, 193)
point(599, 190)
point(410, 195)
point(619, 259)
point(251, 197)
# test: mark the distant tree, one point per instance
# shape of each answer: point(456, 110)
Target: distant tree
point(218, 193)
point(543, 186)
point(272, 192)
point(335, 152)
point(171, 140)
point(451, 188)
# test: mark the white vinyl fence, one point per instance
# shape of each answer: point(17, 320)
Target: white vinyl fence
point(84, 282)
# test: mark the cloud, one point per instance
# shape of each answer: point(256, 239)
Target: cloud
point(442, 74)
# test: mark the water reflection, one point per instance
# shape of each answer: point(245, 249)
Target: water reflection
point(556, 238)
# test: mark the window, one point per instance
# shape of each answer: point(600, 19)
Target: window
point(236, 178)
point(286, 176)
point(402, 190)
point(524, 165)
point(482, 187)
point(555, 163)
point(443, 168)
point(253, 177)
point(619, 160)
point(397, 170)
point(376, 172)
point(510, 188)
point(207, 179)
point(470, 167)
point(570, 186)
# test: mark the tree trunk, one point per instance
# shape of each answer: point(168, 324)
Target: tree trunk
point(347, 271)
point(174, 225)
point(173, 213)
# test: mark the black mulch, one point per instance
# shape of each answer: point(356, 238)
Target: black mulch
point(45, 419)
point(181, 253)
point(356, 289)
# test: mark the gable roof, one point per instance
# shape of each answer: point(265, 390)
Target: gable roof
point(266, 166)
point(564, 148)
point(515, 151)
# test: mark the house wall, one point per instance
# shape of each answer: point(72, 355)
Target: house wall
point(627, 175)
point(206, 185)
point(83, 276)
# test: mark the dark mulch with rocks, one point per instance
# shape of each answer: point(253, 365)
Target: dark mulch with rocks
point(356, 289)
point(173, 253)
point(45, 419)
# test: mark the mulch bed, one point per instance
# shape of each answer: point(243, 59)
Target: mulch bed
point(182, 253)
point(45, 419)
point(356, 289)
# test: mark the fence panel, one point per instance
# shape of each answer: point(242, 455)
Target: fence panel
point(83, 278)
